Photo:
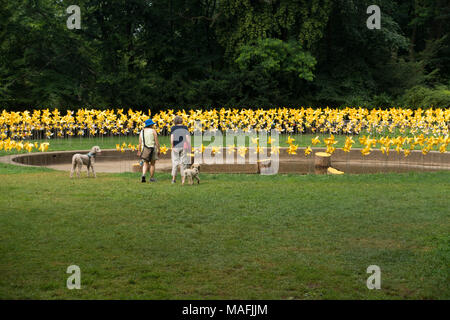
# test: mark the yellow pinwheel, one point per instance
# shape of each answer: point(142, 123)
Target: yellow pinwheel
point(366, 151)
point(315, 140)
point(215, 150)
point(242, 151)
point(231, 148)
point(292, 150)
point(308, 150)
point(407, 152)
point(163, 149)
point(44, 146)
point(275, 150)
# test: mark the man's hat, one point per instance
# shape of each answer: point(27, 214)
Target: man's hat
point(149, 122)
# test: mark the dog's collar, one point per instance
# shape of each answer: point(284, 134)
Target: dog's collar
point(90, 155)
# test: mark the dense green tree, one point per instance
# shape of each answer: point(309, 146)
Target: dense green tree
point(209, 53)
point(245, 21)
point(42, 63)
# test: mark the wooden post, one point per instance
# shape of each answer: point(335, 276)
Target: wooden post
point(320, 170)
point(322, 159)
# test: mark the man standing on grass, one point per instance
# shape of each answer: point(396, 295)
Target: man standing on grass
point(180, 141)
point(148, 149)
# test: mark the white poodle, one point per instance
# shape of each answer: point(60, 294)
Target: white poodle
point(79, 159)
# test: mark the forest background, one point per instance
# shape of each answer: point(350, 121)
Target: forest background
point(177, 54)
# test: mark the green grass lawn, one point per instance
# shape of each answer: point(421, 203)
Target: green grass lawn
point(231, 237)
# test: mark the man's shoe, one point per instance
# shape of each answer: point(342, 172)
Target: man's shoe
point(143, 179)
point(152, 180)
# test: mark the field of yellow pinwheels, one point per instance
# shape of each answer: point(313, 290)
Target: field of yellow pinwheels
point(400, 129)
point(91, 122)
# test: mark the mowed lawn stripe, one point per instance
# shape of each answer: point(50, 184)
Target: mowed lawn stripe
point(231, 237)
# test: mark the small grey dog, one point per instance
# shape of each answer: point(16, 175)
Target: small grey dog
point(79, 159)
point(192, 173)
